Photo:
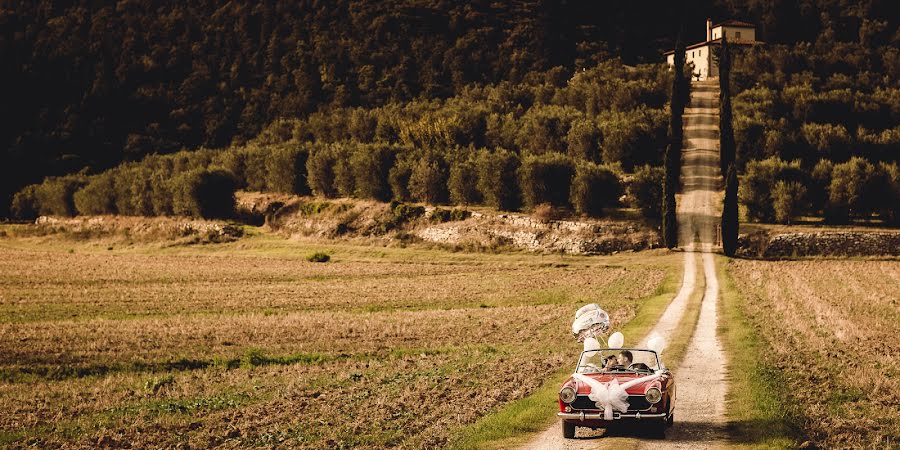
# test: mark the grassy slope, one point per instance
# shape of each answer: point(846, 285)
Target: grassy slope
point(513, 423)
point(757, 417)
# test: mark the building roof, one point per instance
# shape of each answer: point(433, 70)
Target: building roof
point(715, 41)
point(734, 23)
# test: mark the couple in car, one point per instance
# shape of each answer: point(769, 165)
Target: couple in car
point(623, 359)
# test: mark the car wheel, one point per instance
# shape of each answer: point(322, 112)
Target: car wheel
point(568, 430)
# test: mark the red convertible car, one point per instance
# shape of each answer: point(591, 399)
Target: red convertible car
point(616, 385)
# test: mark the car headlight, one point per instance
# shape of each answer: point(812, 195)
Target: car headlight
point(653, 395)
point(567, 394)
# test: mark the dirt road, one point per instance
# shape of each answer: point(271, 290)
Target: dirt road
point(699, 413)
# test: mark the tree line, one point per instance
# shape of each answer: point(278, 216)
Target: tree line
point(203, 183)
point(93, 84)
point(816, 128)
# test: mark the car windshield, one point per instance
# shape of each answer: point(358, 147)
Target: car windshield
point(615, 361)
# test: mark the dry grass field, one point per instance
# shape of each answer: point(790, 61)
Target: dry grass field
point(830, 338)
point(246, 343)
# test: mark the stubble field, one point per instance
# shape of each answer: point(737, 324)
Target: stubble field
point(830, 342)
point(247, 343)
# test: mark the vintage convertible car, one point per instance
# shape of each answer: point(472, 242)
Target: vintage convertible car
point(602, 392)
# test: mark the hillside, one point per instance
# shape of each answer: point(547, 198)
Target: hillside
point(89, 85)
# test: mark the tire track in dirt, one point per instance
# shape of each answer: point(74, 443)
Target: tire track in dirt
point(700, 404)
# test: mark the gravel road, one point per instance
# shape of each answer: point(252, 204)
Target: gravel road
point(699, 411)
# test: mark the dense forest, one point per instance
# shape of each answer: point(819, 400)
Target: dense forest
point(88, 85)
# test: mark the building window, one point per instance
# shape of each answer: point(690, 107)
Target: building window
point(700, 52)
point(737, 34)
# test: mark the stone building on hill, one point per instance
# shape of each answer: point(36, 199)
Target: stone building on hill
point(701, 54)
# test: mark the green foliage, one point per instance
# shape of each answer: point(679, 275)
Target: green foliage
point(759, 180)
point(320, 171)
point(285, 170)
point(858, 188)
point(788, 200)
point(463, 181)
point(583, 140)
point(594, 188)
point(730, 218)
point(98, 196)
point(405, 213)
point(828, 141)
point(318, 257)
point(398, 178)
point(727, 149)
point(371, 165)
point(820, 184)
point(428, 179)
point(633, 138)
point(498, 179)
point(25, 203)
point(645, 190)
point(546, 178)
point(204, 193)
point(55, 196)
point(675, 140)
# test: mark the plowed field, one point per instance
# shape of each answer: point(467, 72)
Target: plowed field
point(247, 343)
point(830, 329)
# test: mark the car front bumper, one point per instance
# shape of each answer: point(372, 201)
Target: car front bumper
point(582, 416)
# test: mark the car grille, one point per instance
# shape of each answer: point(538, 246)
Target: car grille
point(635, 403)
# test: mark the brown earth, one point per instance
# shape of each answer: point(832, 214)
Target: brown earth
point(830, 329)
point(248, 344)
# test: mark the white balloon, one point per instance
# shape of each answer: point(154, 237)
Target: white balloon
point(616, 340)
point(656, 343)
point(591, 344)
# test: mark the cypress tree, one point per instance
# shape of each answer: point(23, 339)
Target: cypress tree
point(730, 213)
point(673, 149)
point(726, 128)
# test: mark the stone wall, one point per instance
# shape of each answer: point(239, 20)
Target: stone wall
point(822, 243)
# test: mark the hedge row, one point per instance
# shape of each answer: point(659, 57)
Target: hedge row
point(202, 183)
point(775, 190)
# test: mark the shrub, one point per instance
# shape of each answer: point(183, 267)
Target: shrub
point(584, 140)
point(758, 182)
point(890, 209)
point(24, 204)
point(398, 178)
point(829, 141)
point(546, 178)
point(371, 165)
point(497, 179)
point(255, 169)
point(344, 182)
point(318, 257)
point(204, 193)
point(633, 138)
point(818, 190)
point(645, 191)
point(463, 182)
point(788, 200)
point(404, 213)
point(428, 180)
point(98, 196)
point(286, 170)
point(857, 188)
point(320, 171)
point(594, 188)
point(55, 196)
